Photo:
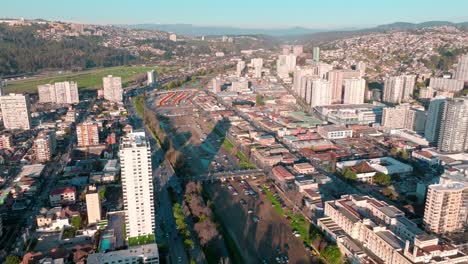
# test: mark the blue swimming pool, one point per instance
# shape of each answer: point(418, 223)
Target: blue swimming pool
point(105, 244)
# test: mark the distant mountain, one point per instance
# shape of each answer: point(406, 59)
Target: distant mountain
point(406, 25)
point(192, 30)
point(320, 37)
point(287, 33)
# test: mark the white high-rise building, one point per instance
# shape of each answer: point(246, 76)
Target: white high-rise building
point(16, 111)
point(361, 67)
point(59, 92)
point(453, 136)
point(137, 184)
point(300, 79)
point(321, 69)
point(434, 119)
point(257, 64)
point(354, 90)
point(318, 92)
point(316, 54)
point(285, 65)
point(240, 68)
point(462, 69)
point(240, 85)
point(151, 78)
point(298, 50)
point(336, 78)
point(112, 88)
point(403, 116)
point(446, 84)
point(399, 88)
point(446, 201)
point(216, 85)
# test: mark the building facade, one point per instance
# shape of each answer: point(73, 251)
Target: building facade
point(112, 88)
point(87, 134)
point(16, 111)
point(453, 136)
point(399, 88)
point(462, 69)
point(44, 146)
point(151, 78)
point(365, 227)
point(59, 93)
point(137, 184)
point(434, 118)
point(446, 204)
point(354, 90)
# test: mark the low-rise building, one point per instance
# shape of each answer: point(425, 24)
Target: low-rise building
point(145, 254)
point(93, 205)
point(61, 196)
point(335, 132)
point(304, 168)
point(425, 156)
point(385, 165)
point(6, 141)
point(282, 177)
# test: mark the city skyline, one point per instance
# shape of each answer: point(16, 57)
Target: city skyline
point(316, 15)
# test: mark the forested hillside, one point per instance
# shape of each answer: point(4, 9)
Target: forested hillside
point(22, 52)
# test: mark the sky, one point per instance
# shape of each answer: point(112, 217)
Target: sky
point(318, 14)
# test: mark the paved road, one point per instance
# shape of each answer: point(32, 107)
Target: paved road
point(166, 232)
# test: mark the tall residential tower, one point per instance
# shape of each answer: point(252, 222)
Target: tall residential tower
point(137, 184)
point(453, 136)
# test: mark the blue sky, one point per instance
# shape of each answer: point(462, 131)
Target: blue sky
point(241, 13)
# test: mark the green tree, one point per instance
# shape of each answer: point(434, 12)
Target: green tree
point(349, 174)
point(188, 243)
point(332, 255)
point(259, 100)
point(382, 179)
point(12, 259)
point(102, 193)
point(404, 154)
point(76, 222)
point(389, 193)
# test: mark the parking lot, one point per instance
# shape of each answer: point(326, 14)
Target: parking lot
point(261, 234)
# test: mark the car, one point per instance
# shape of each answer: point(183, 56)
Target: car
point(256, 219)
point(243, 202)
point(250, 211)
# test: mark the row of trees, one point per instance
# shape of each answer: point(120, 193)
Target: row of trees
point(182, 228)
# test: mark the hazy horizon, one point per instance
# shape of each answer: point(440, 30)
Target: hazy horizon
point(241, 14)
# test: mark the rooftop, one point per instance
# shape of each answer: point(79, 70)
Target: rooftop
point(142, 251)
point(31, 171)
point(281, 171)
point(62, 190)
point(134, 139)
